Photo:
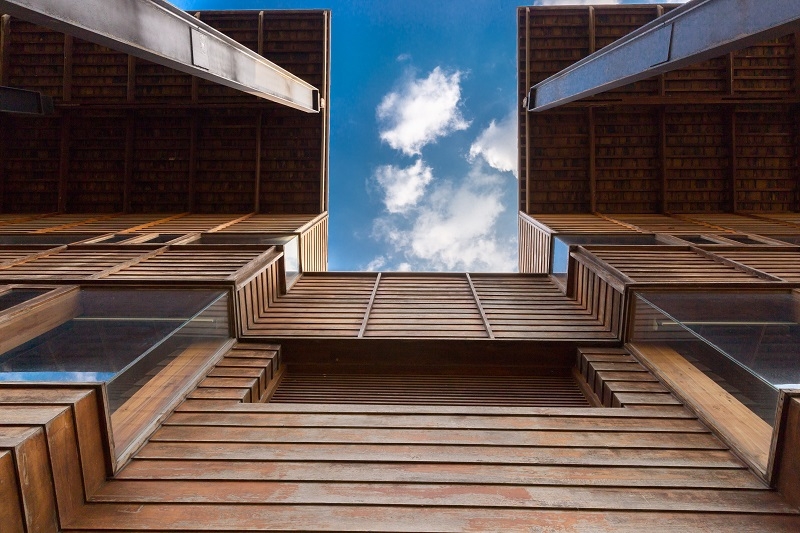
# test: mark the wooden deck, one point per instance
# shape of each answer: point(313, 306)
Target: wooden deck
point(242, 466)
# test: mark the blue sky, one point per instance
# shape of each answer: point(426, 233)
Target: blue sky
point(423, 132)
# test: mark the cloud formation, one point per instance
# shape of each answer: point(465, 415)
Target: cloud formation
point(497, 145)
point(403, 187)
point(422, 111)
point(455, 228)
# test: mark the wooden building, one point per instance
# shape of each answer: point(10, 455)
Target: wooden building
point(176, 357)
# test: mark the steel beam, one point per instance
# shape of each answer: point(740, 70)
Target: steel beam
point(157, 31)
point(24, 102)
point(694, 32)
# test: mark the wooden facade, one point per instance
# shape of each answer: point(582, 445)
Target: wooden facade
point(313, 400)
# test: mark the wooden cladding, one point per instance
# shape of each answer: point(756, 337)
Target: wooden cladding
point(314, 246)
point(717, 136)
point(132, 136)
point(670, 264)
point(783, 264)
point(534, 247)
point(417, 389)
point(144, 263)
point(396, 305)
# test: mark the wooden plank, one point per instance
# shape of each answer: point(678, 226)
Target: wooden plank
point(415, 518)
point(405, 453)
point(10, 504)
point(490, 474)
point(139, 415)
point(788, 455)
point(742, 429)
point(435, 494)
point(62, 445)
point(36, 482)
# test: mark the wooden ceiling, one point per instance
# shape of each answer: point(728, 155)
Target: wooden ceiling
point(719, 136)
point(132, 136)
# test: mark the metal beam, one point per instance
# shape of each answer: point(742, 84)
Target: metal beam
point(694, 32)
point(157, 31)
point(24, 102)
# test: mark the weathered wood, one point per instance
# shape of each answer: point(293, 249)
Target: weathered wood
point(742, 429)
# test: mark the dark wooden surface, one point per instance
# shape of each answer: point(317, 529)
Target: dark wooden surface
point(716, 136)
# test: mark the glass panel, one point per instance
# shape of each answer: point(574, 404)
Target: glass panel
point(14, 297)
point(747, 341)
point(121, 336)
point(291, 258)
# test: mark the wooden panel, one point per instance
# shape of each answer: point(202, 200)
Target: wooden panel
point(697, 160)
point(743, 224)
point(424, 306)
point(36, 59)
point(534, 247)
point(42, 224)
point(766, 158)
point(789, 458)
point(583, 224)
point(785, 265)
point(314, 247)
point(99, 74)
point(626, 159)
point(765, 70)
point(666, 224)
point(161, 161)
point(741, 428)
point(318, 306)
point(31, 165)
point(533, 307)
point(190, 223)
point(257, 295)
point(559, 162)
point(602, 299)
point(278, 224)
point(96, 162)
point(226, 162)
point(71, 263)
point(10, 504)
point(111, 225)
point(191, 262)
point(666, 265)
point(558, 391)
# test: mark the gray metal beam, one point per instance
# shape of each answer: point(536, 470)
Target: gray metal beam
point(694, 32)
point(24, 102)
point(157, 31)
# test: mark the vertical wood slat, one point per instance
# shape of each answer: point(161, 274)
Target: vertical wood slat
point(259, 125)
point(534, 247)
point(130, 147)
point(66, 93)
point(733, 157)
point(130, 90)
point(592, 145)
point(479, 306)
point(369, 306)
point(5, 45)
point(193, 155)
point(64, 160)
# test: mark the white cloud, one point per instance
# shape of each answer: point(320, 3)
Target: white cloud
point(403, 187)
point(376, 264)
point(454, 228)
point(403, 57)
point(497, 145)
point(421, 111)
